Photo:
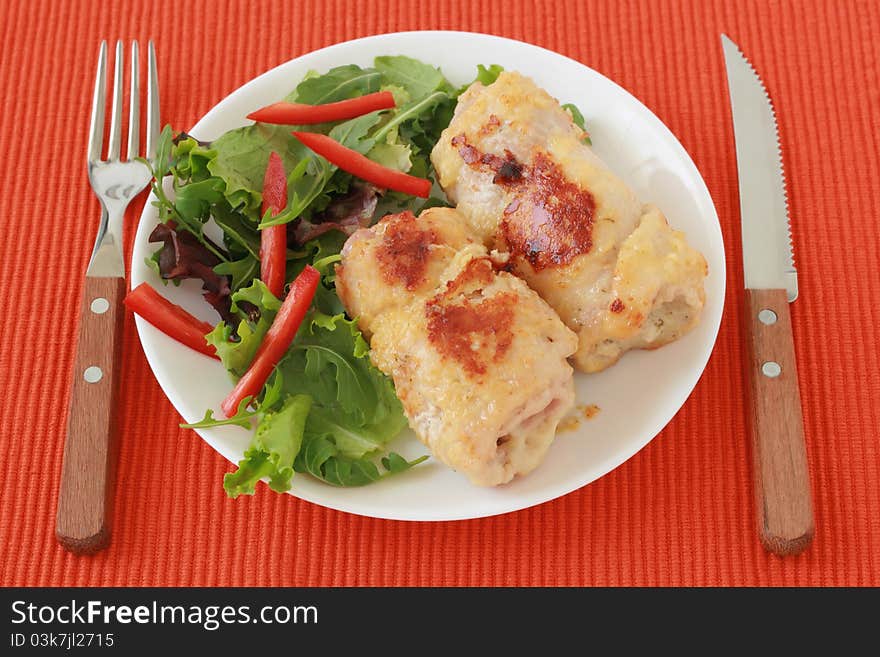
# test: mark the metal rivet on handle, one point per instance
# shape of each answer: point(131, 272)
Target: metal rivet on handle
point(767, 316)
point(771, 369)
point(99, 306)
point(93, 374)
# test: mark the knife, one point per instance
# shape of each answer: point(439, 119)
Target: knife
point(775, 420)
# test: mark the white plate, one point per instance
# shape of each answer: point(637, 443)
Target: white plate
point(637, 397)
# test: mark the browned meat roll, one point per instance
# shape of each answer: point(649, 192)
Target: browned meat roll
point(519, 170)
point(478, 359)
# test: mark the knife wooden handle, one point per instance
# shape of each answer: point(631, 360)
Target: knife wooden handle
point(779, 455)
point(85, 497)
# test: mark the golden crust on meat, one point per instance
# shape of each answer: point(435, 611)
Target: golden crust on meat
point(479, 361)
point(517, 167)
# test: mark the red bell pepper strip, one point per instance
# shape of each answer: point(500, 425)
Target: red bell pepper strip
point(170, 318)
point(299, 114)
point(277, 341)
point(362, 166)
point(273, 240)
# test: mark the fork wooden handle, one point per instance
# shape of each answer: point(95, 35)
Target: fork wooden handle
point(85, 498)
point(779, 455)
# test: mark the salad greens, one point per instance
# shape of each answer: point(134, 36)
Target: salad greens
point(325, 410)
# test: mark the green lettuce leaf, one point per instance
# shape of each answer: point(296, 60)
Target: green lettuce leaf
point(393, 156)
point(190, 159)
point(195, 199)
point(240, 161)
point(353, 411)
point(487, 76)
point(355, 404)
point(236, 355)
point(274, 448)
point(338, 414)
point(401, 95)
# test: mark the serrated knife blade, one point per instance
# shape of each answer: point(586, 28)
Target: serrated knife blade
point(774, 416)
point(768, 261)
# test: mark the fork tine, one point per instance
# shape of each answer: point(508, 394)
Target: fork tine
point(153, 126)
point(96, 129)
point(116, 117)
point(134, 126)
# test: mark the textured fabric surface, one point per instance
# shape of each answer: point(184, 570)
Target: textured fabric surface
point(679, 513)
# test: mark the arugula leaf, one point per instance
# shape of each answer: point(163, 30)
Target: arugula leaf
point(353, 133)
point(242, 271)
point(163, 153)
point(355, 404)
point(242, 418)
point(319, 248)
point(239, 233)
point(411, 111)
point(419, 79)
point(305, 184)
point(350, 440)
point(327, 359)
point(338, 83)
point(324, 252)
point(326, 245)
point(327, 301)
point(273, 393)
point(274, 448)
point(395, 463)
point(320, 458)
point(193, 201)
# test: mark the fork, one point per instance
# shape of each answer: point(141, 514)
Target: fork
point(85, 496)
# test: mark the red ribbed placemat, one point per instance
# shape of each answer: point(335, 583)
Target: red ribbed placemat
point(678, 513)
